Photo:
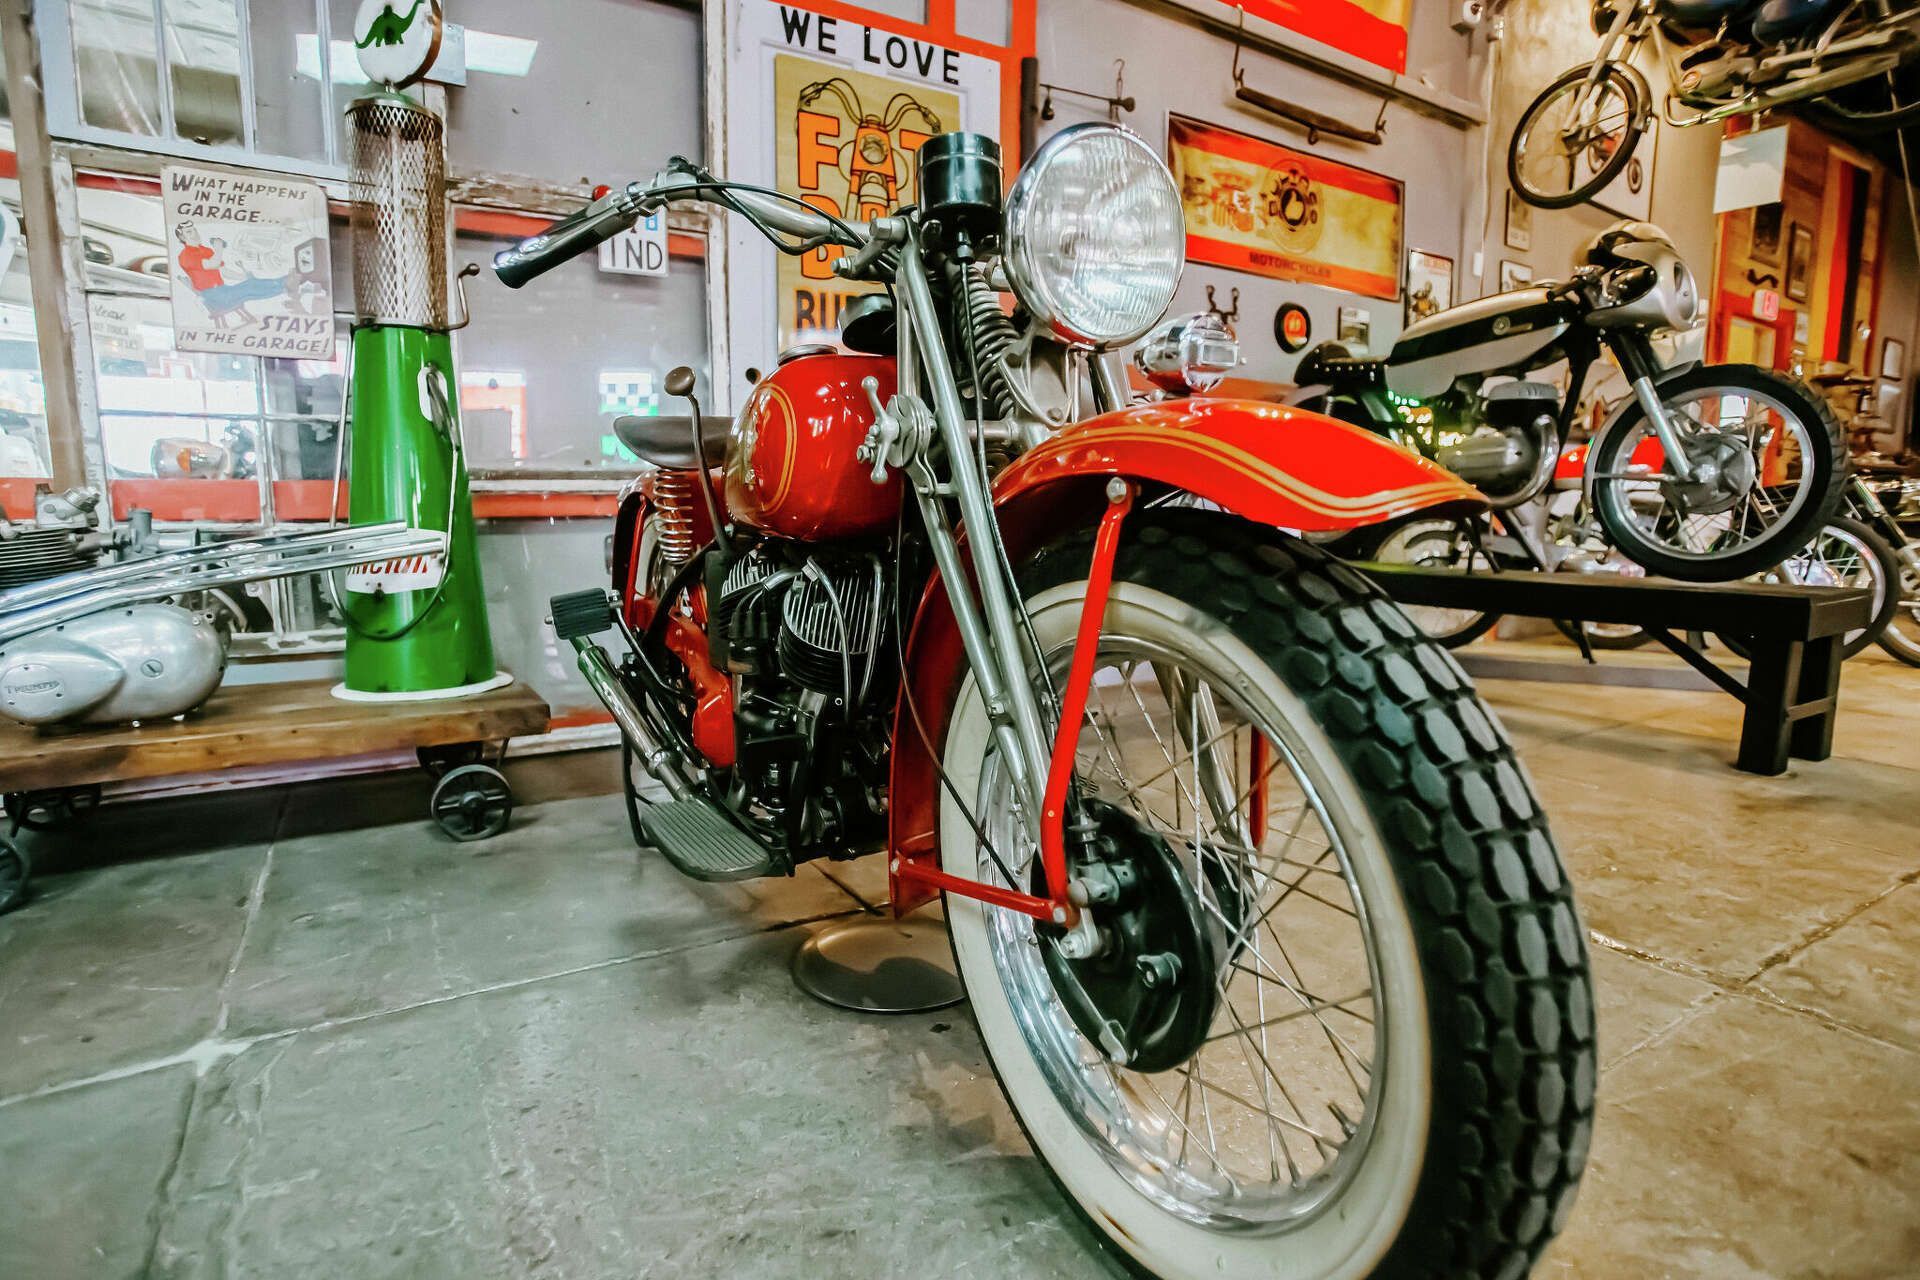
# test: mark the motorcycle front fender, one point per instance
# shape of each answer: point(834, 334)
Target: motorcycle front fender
point(1274, 464)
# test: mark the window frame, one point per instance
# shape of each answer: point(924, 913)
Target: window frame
point(53, 20)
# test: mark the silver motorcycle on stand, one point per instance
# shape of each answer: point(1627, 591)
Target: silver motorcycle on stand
point(1850, 62)
point(1705, 473)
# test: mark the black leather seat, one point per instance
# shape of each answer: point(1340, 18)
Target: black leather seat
point(667, 441)
point(1329, 365)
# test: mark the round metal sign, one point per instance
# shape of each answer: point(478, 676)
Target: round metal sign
point(1292, 327)
point(397, 40)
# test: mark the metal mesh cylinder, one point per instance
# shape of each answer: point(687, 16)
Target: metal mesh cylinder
point(399, 180)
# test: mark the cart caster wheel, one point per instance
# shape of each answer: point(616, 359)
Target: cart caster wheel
point(438, 761)
point(472, 802)
point(52, 809)
point(15, 871)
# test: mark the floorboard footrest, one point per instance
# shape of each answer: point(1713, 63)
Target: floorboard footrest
point(699, 839)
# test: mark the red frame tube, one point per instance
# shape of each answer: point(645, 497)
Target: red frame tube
point(1073, 701)
point(1056, 906)
point(1259, 759)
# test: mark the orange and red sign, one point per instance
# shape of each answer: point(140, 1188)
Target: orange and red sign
point(1256, 206)
point(1372, 29)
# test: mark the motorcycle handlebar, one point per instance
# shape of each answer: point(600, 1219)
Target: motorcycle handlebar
point(609, 216)
point(570, 236)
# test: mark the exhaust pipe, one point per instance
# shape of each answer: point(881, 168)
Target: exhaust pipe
point(597, 667)
point(577, 617)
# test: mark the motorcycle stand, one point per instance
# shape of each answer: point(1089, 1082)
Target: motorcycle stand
point(876, 964)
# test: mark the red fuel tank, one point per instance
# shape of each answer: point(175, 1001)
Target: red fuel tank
point(791, 468)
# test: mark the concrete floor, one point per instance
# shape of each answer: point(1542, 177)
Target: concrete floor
point(295, 1032)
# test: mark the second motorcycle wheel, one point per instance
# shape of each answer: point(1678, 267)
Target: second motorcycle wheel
point(1902, 636)
point(1617, 636)
point(1845, 554)
point(1432, 544)
point(1571, 142)
point(1767, 466)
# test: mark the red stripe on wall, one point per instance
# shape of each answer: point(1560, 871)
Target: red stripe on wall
point(1839, 279)
point(1343, 25)
point(228, 501)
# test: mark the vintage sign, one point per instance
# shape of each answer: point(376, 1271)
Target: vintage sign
point(641, 251)
point(1256, 206)
point(397, 40)
point(249, 264)
point(831, 110)
point(1372, 29)
point(847, 144)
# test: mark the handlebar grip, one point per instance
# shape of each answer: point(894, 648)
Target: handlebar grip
point(567, 238)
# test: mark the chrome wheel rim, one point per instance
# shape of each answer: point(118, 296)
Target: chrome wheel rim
point(1264, 1126)
point(1758, 451)
point(1441, 546)
point(1548, 152)
point(1837, 557)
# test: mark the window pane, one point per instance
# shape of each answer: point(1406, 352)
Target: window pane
point(141, 447)
point(308, 388)
point(124, 235)
point(115, 65)
point(203, 57)
point(140, 372)
point(23, 399)
point(289, 114)
point(544, 370)
point(303, 449)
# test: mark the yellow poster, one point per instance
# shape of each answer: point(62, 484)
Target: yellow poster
point(845, 143)
point(1257, 206)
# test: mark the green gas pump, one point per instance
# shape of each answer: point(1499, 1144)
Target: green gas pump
point(415, 629)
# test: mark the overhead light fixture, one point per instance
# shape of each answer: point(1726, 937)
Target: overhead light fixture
point(500, 55)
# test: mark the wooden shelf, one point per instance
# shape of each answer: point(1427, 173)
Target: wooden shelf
point(260, 724)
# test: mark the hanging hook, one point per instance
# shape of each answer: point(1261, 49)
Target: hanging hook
point(1239, 37)
point(1230, 313)
point(1119, 91)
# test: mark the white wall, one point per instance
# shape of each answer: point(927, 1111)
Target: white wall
point(1172, 66)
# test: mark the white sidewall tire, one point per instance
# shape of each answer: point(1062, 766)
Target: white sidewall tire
point(1351, 1234)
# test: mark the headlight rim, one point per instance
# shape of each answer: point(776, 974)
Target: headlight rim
point(1020, 272)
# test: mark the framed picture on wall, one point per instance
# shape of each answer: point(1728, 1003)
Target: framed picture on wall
point(1630, 194)
point(1514, 275)
point(1355, 329)
point(1799, 262)
point(1519, 223)
point(1429, 284)
point(1763, 240)
point(1893, 359)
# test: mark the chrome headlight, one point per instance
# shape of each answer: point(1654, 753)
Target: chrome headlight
point(1095, 238)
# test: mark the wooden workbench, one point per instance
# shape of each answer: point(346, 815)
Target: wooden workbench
point(260, 724)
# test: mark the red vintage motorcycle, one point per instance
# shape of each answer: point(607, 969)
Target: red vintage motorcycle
point(1261, 923)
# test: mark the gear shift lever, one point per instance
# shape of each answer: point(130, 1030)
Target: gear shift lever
point(679, 383)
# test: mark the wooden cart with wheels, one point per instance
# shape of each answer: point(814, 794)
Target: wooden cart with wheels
point(52, 779)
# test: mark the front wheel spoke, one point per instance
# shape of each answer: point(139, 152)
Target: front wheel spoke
point(1286, 1094)
point(1334, 1038)
point(1174, 1116)
point(1314, 1009)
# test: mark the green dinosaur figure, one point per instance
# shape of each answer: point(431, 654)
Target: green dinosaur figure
point(389, 28)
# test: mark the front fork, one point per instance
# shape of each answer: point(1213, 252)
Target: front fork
point(1636, 361)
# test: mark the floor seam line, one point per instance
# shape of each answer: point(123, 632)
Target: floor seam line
point(1827, 930)
point(203, 1054)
